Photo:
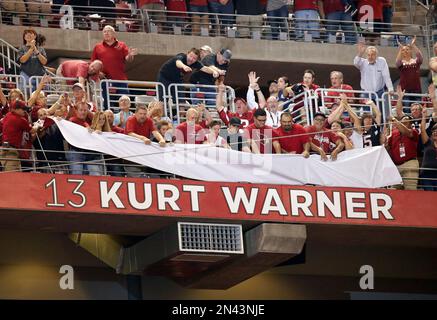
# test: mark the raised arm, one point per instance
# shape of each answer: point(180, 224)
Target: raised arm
point(432, 96)
point(375, 111)
point(359, 60)
point(402, 128)
point(423, 134)
point(45, 79)
point(356, 120)
point(219, 101)
point(254, 87)
point(399, 103)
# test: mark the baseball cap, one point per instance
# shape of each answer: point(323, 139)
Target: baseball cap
point(206, 48)
point(226, 53)
point(235, 122)
point(18, 104)
point(78, 84)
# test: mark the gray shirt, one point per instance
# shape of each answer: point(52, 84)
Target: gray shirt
point(32, 67)
point(275, 4)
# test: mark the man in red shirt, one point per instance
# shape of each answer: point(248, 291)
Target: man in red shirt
point(80, 70)
point(140, 126)
point(402, 146)
point(16, 135)
point(243, 112)
point(322, 140)
point(83, 160)
point(337, 84)
point(189, 132)
point(258, 135)
point(113, 54)
point(291, 137)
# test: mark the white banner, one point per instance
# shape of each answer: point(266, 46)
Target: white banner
point(361, 168)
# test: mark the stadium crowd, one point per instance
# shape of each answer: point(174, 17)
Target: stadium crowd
point(276, 124)
point(246, 14)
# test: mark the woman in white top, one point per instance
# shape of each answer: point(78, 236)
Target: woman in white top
point(213, 137)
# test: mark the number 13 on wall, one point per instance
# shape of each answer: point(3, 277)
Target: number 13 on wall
point(76, 192)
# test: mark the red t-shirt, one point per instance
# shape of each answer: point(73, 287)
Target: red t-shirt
point(80, 122)
point(325, 140)
point(16, 130)
point(190, 134)
point(176, 5)
point(289, 142)
point(262, 136)
point(337, 94)
point(246, 118)
point(198, 2)
point(145, 129)
point(305, 5)
point(410, 146)
point(74, 69)
point(113, 58)
point(375, 4)
point(330, 6)
point(141, 3)
point(117, 129)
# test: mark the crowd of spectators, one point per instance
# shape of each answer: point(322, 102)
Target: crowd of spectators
point(276, 124)
point(374, 16)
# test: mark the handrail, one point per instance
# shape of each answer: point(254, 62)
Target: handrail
point(214, 24)
point(184, 95)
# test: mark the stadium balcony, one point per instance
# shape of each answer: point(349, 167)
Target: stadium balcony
point(158, 40)
point(231, 238)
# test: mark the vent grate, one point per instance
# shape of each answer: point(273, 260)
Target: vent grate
point(207, 237)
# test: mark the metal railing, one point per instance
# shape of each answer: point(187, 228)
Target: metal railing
point(140, 92)
point(301, 107)
point(9, 57)
point(407, 101)
point(71, 17)
point(9, 82)
point(209, 24)
point(356, 99)
point(184, 96)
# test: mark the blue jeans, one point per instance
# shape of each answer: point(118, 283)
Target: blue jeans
point(387, 17)
point(429, 184)
point(78, 167)
point(347, 26)
point(277, 24)
point(112, 98)
point(23, 86)
point(216, 7)
point(307, 20)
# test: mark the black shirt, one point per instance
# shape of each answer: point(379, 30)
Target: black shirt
point(250, 7)
point(415, 124)
point(170, 72)
point(429, 160)
point(200, 77)
point(372, 137)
